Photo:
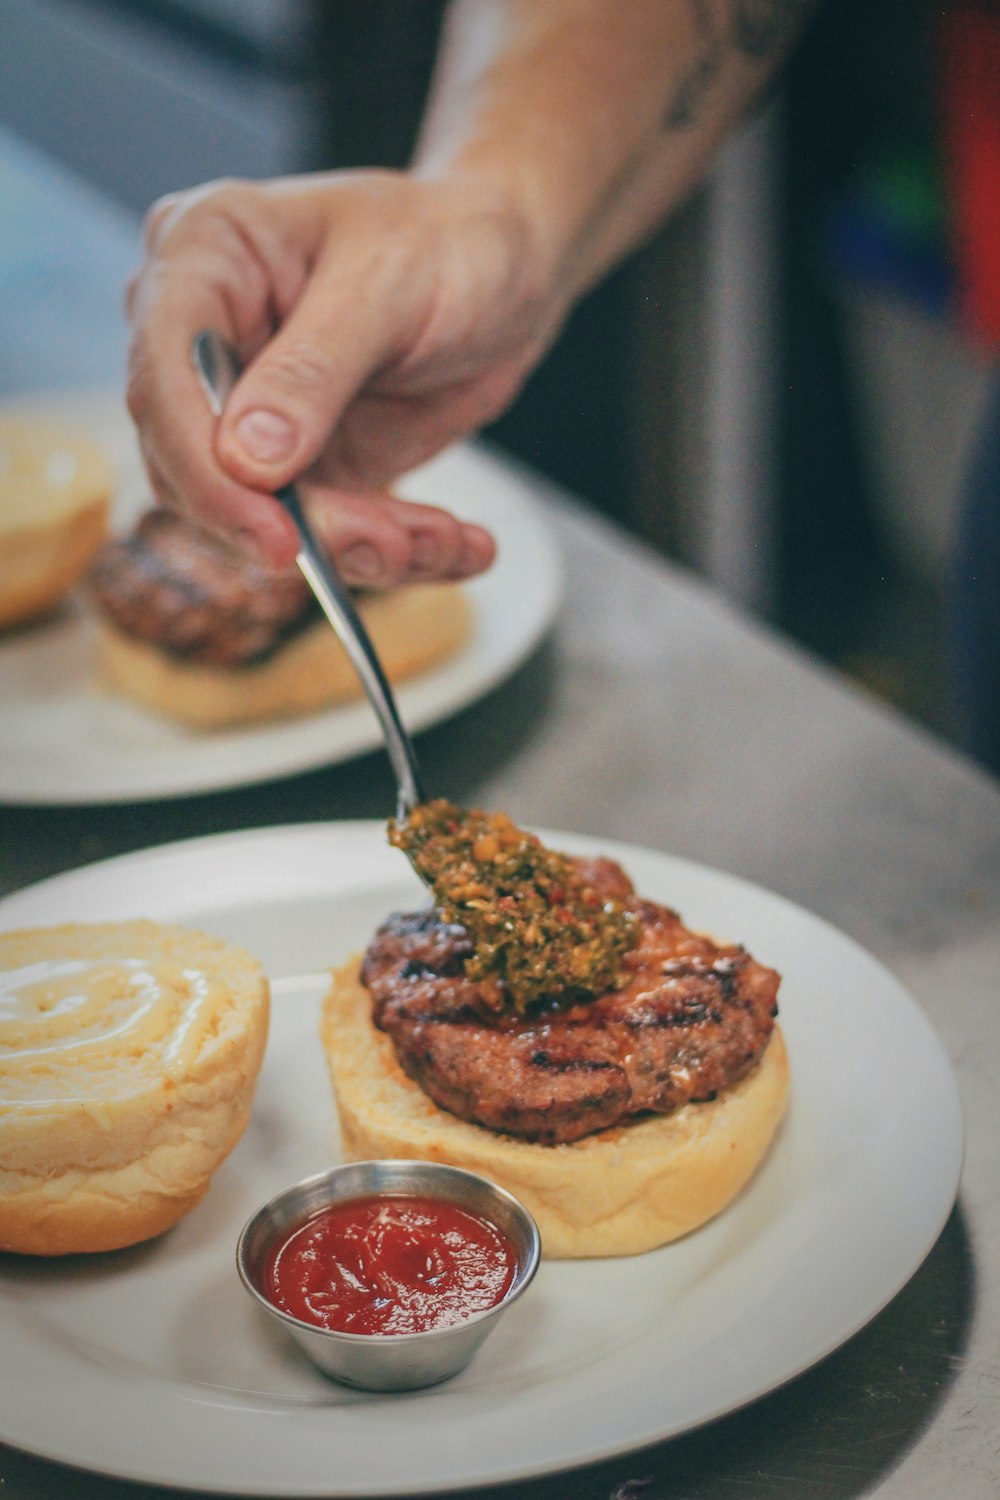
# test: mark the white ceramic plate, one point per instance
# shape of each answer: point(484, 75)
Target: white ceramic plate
point(63, 739)
point(153, 1364)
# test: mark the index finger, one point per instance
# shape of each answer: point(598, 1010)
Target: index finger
point(177, 429)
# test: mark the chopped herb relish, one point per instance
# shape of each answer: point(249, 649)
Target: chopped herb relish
point(539, 932)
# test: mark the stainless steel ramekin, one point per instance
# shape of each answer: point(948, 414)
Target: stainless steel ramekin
point(389, 1362)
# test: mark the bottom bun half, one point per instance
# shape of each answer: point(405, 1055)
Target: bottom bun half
point(620, 1192)
point(412, 629)
point(122, 1091)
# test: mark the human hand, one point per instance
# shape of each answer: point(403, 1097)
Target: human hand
point(379, 316)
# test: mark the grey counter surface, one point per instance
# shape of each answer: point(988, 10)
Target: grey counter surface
point(656, 714)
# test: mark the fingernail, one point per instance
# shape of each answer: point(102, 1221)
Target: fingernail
point(266, 436)
point(362, 562)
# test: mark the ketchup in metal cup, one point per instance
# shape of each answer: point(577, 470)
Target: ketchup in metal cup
point(389, 1265)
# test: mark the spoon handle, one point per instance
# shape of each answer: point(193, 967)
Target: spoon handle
point(218, 369)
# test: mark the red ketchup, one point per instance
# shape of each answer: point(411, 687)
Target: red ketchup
point(389, 1265)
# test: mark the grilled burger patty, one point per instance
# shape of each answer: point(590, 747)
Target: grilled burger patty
point(177, 586)
point(691, 1019)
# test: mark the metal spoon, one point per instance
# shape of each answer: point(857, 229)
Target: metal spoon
point(218, 369)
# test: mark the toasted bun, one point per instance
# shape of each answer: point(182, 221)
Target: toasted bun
point(113, 1116)
point(55, 492)
point(619, 1192)
point(412, 628)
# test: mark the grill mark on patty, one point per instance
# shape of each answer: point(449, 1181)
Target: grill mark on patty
point(568, 1064)
point(415, 968)
point(695, 1010)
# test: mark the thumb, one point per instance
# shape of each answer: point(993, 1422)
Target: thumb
point(292, 394)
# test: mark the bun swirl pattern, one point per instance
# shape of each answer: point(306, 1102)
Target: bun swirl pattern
point(68, 1025)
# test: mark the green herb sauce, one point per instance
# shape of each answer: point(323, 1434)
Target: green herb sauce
point(539, 932)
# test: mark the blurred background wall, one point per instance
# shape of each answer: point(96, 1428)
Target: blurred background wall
point(780, 390)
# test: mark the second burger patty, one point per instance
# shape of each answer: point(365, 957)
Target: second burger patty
point(180, 588)
point(692, 1018)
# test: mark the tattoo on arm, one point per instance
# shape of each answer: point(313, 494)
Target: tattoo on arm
point(690, 94)
point(762, 27)
point(759, 30)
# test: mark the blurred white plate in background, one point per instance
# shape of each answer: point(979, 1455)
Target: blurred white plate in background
point(64, 739)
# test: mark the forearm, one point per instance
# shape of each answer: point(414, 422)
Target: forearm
point(596, 117)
